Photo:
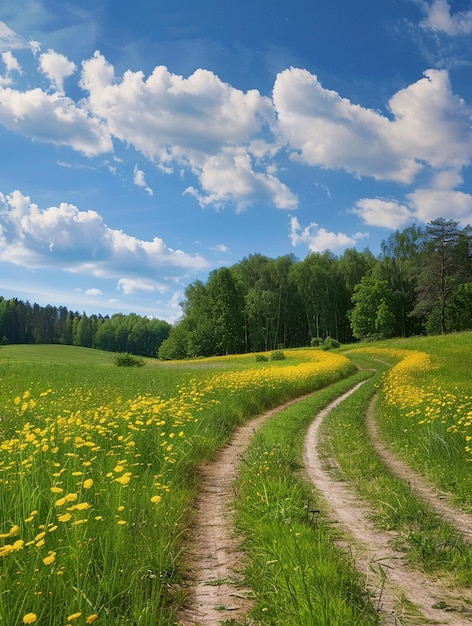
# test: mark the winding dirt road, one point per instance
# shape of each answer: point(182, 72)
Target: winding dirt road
point(216, 589)
point(388, 578)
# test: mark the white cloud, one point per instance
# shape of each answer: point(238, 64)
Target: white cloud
point(140, 180)
point(328, 130)
point(11, 62)
point(383, 213)
point(93, 292)
point(53, 118)
point(11, 65)
point(430, 125)
point(230, 177)
point(198, 122)
point(440, 18)
point(9, 40)
point(132, 286)
point(57, 68)
point(422, 205)
point(76, 241)
point(318, 239)
point(430, 204)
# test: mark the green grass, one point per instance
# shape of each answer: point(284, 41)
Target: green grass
point(98, 474)
point(298, 574)
point(159, 423)
point(436, 447)
point(430, 543)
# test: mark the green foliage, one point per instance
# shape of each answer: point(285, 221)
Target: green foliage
point(124, 359)
point(22, 323)
point(421, 282)
point(330, 343)
point(261, 358)
point(277, 355)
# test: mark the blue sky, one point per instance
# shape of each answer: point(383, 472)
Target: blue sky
point(145, 143)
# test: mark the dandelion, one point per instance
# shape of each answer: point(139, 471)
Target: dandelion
point(14, 530)
point(88, 484)
point(50, 558)
point(29, 618)
point(124, 480)
point(91, 618)
point(156, 499)
point(74, 616)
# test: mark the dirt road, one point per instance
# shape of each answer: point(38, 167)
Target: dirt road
point(215, 557)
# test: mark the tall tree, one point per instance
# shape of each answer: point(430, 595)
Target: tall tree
point(399, 262)
point(440, 273)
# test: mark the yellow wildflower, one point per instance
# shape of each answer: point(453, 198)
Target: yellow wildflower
point(74, 616)
point(50, 558)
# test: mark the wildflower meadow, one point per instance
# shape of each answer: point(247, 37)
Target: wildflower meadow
point(97, 476)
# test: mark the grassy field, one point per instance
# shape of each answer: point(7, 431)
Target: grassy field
point(97, 473)
point(98, 476)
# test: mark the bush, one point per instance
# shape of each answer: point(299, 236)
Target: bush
point(261, 357)
point(315, 342)
point(277, 355)
point(329, 343)
point(124, 359)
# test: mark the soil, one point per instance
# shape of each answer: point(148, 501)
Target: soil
point(217, 592)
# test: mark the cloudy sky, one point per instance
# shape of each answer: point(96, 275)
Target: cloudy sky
point(145, 143)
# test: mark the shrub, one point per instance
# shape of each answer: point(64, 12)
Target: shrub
point(124, 359)
point(329, 343)
point(277, 355)
point(315, 342)
point(261, 357)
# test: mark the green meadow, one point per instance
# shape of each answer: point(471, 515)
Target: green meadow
point(98, 476)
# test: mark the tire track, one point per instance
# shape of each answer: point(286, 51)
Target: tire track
point(215, 559)
point(388, 578)
point(460, 520)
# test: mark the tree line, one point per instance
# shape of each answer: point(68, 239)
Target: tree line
point(421, 282)
point(21, 322)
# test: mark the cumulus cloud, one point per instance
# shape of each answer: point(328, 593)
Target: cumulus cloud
point(198, 122)
point(422, 205)
point(430, 125)
point(93, 292)
point(230, 177)
point(79, 241)
point(318, 239)
point(230, 140)
point(53, 118)
point(57, 68)
point(383, 213)
point(428, 204)
point(328, 130)
point(439, 17)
